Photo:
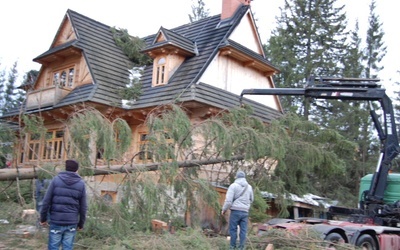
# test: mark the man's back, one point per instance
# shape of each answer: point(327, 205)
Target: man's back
point(66, 199)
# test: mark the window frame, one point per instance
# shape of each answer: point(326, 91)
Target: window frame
point(64, 77)
point(144, 154)
point(49, 148)
point(160, 72)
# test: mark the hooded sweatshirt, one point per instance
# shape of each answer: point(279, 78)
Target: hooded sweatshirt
point(234, 200)
point(65, 200)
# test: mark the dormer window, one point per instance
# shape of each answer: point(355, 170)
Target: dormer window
point(64, 77)
point(169, 50)
point(160, 72)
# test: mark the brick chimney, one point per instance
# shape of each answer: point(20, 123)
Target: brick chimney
point(229, 7)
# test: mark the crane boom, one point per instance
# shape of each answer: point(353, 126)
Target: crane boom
point(356, 89)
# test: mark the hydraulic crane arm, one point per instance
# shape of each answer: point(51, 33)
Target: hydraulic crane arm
point(358, 89)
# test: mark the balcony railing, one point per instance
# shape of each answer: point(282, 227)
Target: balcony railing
point(46, 96)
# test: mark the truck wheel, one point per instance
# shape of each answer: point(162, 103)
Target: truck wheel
point(334, 239)
point(366, 242)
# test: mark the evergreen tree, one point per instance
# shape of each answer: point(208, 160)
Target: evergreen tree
point(30, 78)
point(198, 11)
point(11, 98)
point(396, 106)
point(309, 40)
point(375, 49)
point(355, 122)
point(2, 85)
point(352, 61)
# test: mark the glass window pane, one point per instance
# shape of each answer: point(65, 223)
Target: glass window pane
point(56, 78)
point(63, 78)
point(71, 77)
point(162, 80)
point(59, 134)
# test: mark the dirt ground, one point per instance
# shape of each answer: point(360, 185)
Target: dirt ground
point(23, 233)
point(23, 237)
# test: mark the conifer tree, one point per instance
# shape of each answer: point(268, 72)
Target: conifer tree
point(30, 78)
point(11, 98)
point(355, 121)
point(353, 60)
point(199, 11)
point(309, 40)
point(375, 49)
point(2, 84)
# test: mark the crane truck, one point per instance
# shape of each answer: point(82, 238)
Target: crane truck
point(375, 223)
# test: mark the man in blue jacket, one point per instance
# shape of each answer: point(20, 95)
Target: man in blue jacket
point(65, 201)
point(238, 199)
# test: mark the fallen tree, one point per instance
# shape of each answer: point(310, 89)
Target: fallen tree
point(9, 174)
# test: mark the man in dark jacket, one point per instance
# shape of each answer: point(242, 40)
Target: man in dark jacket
point(65, 201)
point(238, 199)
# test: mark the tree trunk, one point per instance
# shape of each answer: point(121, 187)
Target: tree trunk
point(9, 174)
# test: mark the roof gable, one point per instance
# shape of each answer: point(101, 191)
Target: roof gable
point(246, 34)
point(65, 33)
point(166, 41)
point(160, 37)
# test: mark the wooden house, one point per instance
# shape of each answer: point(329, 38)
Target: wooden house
point(203, 66)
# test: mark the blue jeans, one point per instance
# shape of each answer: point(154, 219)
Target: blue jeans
point(238, 218)
point(61, 235)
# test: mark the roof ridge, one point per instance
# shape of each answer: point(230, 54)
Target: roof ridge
point(86, 17)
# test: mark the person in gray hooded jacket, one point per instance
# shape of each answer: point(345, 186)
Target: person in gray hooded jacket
point(238, 199)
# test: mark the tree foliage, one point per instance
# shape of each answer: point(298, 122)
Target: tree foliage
point(7, 140)
point(30, 78)
point(288, 156)
point(309, 40)
point(10, 97)
point(353, 61)
point(131, 46)
point(199, 11)
point(133, 88)
point(91, 132)
point(312, 39)
point(375, 49)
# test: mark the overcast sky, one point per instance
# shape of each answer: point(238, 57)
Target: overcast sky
point(28, 27)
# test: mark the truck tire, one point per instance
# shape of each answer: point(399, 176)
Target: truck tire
point(334, 239)
point(366, 242)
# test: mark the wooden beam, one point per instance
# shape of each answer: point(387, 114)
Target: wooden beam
point(249, 64)
point(226, 52)
point(9, 174)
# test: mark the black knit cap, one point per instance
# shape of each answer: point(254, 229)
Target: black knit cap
point(71, 165)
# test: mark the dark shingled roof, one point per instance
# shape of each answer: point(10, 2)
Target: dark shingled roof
point(107, 63)
point(109, 66)
point(173, 39)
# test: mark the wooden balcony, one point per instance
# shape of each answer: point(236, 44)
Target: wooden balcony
point(46, 96)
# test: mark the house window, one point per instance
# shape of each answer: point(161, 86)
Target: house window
point(160, 73)
point(170, 147)
point(64, 77)
point(166, 150)
point(109, 196)
point(34, 147)
point(56, 78)
point(144, 153)
point(71, 77)
point(51, 148)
